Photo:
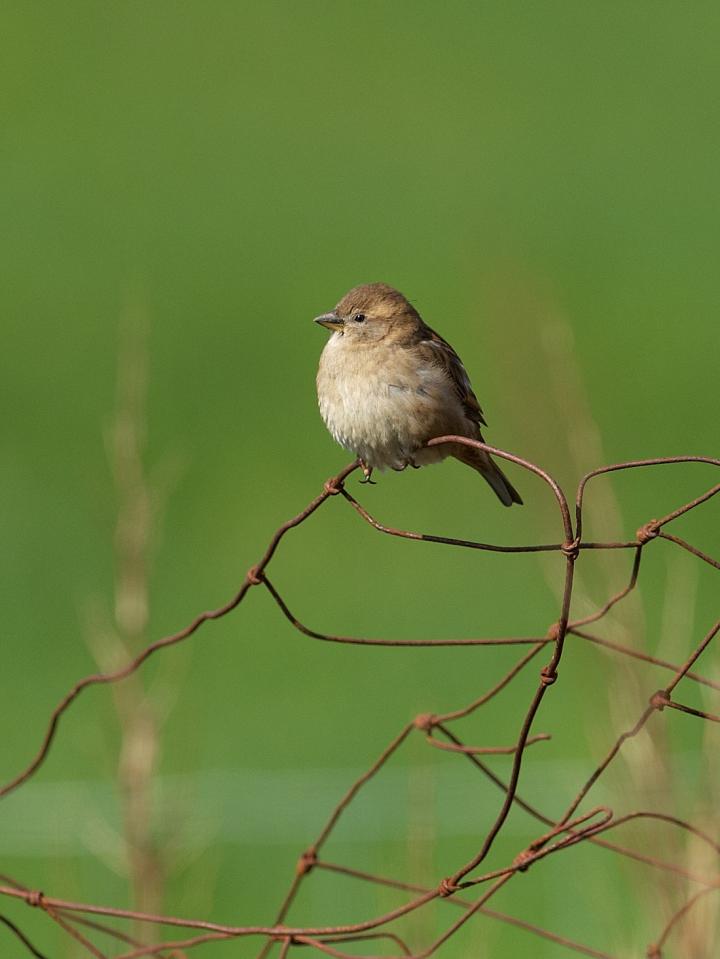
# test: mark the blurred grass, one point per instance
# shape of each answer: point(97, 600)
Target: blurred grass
point(229, 170)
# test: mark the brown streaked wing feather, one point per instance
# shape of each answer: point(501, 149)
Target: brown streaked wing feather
point(445, 356)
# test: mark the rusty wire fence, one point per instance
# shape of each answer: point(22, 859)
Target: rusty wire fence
point(100, 930)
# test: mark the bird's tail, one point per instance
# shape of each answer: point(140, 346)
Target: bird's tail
point(481, 461)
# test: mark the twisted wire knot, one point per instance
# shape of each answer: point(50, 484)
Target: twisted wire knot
point(548, 676)
point(424, 721)
point(306, 862)
point(35, 898)
point(254, 576)
point(647, 532)
point(571, 550)
point(447, 887)
point(330, 488)
point(660, 700)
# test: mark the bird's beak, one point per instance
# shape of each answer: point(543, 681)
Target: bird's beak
point(330, 321)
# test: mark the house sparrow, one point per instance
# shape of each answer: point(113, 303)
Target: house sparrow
point(387, 384)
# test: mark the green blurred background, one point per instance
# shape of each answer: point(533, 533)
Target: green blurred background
point(542, 181)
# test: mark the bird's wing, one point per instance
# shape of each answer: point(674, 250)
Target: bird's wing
point(440, 351)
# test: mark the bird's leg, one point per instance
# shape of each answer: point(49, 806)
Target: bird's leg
point(367, 473)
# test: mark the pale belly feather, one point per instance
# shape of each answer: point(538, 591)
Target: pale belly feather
point(386, 415)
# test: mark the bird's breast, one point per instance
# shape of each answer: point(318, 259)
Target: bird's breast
point(380, 403)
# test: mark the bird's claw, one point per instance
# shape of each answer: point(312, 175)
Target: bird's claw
point(367, 473)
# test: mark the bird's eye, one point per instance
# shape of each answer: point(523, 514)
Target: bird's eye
point(359, 317)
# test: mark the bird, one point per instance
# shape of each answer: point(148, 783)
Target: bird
point(387, 383)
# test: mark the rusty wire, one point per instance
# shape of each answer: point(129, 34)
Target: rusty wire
point(570, 829)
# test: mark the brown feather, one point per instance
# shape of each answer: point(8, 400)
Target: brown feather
point(446, 356)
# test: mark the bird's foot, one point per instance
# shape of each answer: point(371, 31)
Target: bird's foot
point(367, 473)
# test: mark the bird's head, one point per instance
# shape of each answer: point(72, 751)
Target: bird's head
point(369, 313)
